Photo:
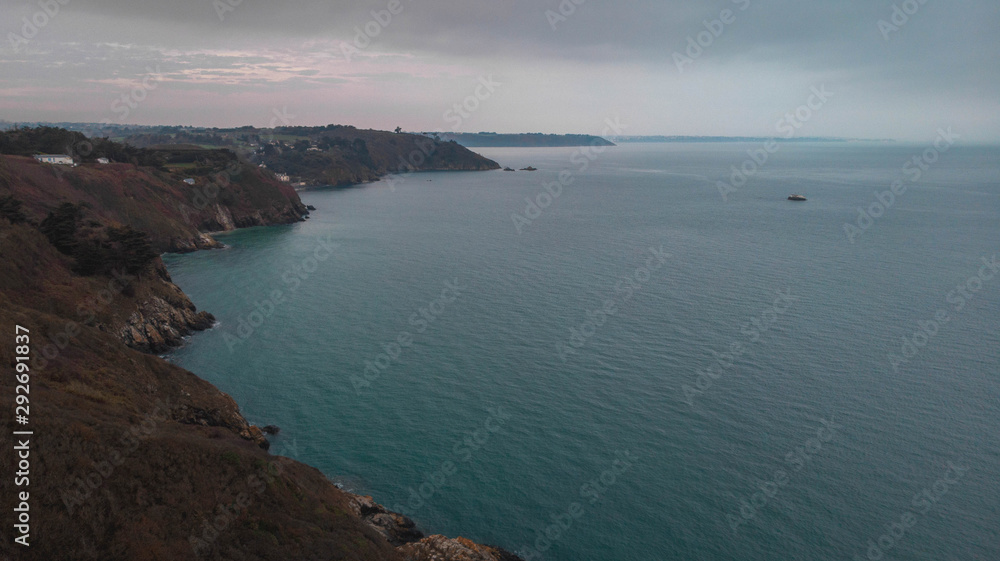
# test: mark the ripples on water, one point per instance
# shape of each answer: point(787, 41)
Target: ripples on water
point(826, 358)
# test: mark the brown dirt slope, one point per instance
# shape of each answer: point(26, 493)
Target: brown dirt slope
point(157, 202)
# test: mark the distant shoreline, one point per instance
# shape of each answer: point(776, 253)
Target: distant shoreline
point(704, 139)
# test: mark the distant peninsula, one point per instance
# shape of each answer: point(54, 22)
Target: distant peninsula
point(688, 138)
point(520, 140)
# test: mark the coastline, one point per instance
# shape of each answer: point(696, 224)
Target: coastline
point(398, 529)
point(123, 429)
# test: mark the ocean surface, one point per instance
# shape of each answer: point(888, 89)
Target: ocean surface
point(639, 368)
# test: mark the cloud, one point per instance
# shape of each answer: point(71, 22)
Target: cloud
point(938, 66)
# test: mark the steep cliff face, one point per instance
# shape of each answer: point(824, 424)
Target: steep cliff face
point(158, 325)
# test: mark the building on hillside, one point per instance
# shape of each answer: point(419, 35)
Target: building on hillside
point(60, 159)
point(189, 181)
point(103, 161)
point(283, 177)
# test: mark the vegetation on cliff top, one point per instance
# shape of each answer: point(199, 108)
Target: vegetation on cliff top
point(325, 155)
point(174, 200)
point(52, 140)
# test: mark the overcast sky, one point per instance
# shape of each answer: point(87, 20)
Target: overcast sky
point(552, 66)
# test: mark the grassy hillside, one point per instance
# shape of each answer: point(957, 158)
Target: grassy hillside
point(224, 196)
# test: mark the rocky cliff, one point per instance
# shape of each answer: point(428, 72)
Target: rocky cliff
point(133, 458)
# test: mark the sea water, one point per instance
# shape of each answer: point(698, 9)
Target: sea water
point(639, 353)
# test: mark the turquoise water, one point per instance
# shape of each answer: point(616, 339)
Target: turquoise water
point(740, 392)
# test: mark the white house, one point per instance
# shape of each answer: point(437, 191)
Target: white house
point(103, 161)
point(284, 177)
point(189, 181)
point(54, 159)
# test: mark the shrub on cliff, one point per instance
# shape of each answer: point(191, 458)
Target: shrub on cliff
point(116, 249)
point(10, 208)
point(97, 252)
point(61, 225)
point(131, 249)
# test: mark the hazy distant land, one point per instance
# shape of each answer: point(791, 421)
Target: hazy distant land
point(660, 138)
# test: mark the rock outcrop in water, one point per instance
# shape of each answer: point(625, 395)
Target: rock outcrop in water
point(438, 547)
point(158, 326)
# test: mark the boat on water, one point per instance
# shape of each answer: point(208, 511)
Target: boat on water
point(796, 197)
